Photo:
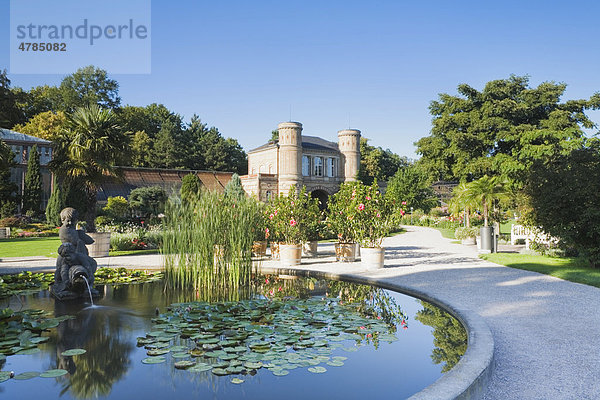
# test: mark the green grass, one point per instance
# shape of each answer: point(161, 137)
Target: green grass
point(569, 269)
point(28, 247)
point(47, 247)
point(448, 233)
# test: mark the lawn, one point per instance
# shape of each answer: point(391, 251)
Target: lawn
point(448, 233)
point(569, 269)
point(47, 247)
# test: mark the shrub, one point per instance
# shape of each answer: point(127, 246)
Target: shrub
point(293, 216)
point(462, 233)
point(117, 208)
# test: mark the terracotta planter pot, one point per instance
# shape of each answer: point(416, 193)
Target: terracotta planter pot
point(346, 252)
point(101, 244)
point(372, 257)
point(259, 248)
point(290, 254)
point(309, 249)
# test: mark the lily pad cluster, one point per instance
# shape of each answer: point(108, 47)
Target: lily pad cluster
point(27, 283)
point(244, 337)
point(21, 331)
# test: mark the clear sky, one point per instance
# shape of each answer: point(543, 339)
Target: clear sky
point(370, 65)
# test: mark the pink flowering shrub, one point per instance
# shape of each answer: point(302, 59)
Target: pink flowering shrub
point(291, 218)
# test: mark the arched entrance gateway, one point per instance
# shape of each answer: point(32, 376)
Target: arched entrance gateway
point(323, 197)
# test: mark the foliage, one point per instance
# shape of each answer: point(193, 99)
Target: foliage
point(340, 218)
point(136, 239)
point(450, 338)
point(141, 149)
point(484, 192)
point(7, 208)
point(234, 188)
point(190, 187)
point(377, 163)
point(464, 233)
point(87, 151)
point(7, 188)
point(32, 195)
point(564, 195)
point(372, 215)
point(501, 130)
point(117, 208)
point(46, 125)
point(148, 201)
point(462, 200)
point(410, 187)
point(207, 242)
point(54, 206)
point(89, 86)
point(291, 217)
point(10, 113)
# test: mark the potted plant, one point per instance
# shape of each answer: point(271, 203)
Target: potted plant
point(314, 227)
point(466, 235)
point(340, 220)
point(290, 220)
point(373, 220)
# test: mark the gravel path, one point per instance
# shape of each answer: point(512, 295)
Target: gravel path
point(546, 330)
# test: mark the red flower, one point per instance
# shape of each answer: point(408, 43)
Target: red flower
point(361, 207)
point(293, 222)
point(271, 216)
point(267, 281)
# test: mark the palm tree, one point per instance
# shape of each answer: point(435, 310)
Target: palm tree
point(485, 191)
point(462, 200)
point(87, 151)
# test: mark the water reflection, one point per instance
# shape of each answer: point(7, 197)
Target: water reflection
point(449, 337)
point(101, 332)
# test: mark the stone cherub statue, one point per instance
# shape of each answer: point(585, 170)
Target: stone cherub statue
point(73, 263)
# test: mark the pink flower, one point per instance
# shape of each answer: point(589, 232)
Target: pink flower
point(361, 207)
point(362, 327)
point(270, 292)
point(292, 203)
point(369, 335)
point(275, 212)
point(368, 197)
point(280, 289)
point(293, 222)
point(403, 203)
point(271, 216)
point(267, 281)
point(378, 215)
point(402, 212)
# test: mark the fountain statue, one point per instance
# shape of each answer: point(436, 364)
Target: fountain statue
point(75, 269)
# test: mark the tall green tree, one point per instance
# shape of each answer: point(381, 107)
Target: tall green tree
point(564, 194)
point(7, 161)
point(46, 125)
point(10, 113)
point(502, 130)
point(190, 187)
point(234, 188)
point(32, 194)
point(484, 192)
point(88, 150)
point(411, 185)
point(87, 86)
point(377, 163)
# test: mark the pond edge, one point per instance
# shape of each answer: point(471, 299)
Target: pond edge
point(469, 378)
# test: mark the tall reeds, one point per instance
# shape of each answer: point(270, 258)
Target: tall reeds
point(208, 242)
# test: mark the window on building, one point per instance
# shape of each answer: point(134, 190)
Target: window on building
point(269, 195)
point(331, 167)
point(305, 166)
point(318, 170)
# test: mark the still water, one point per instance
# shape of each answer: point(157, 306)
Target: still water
point(313, 339)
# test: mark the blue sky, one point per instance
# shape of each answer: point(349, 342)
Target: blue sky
point(373, 65)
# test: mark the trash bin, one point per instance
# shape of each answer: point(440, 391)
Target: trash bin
point(487, 239)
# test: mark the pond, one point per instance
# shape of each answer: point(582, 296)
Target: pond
point(285, 337)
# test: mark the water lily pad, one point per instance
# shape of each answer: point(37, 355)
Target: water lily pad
point(178, 349)
point(180, 355)
point(154, 360)
point(27, 375)
point(220, 371)
point(280, 372)
point(157, 352)
point(184, 364)
point(235, 369)
point(335, 363)
point(317, 370)
point(73, 352)
point(39, 339)
point(53, 373)
point(34, 350)
point(253, 365)
point(237, 381)
point(200, 367)
point(350, 349)
point(4, 376)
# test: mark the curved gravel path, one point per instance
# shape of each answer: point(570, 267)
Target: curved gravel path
point(546, 330)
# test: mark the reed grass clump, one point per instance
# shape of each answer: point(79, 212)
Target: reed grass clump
point(208, 240)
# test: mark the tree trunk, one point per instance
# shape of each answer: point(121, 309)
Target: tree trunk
point(467, 217)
